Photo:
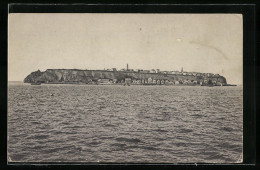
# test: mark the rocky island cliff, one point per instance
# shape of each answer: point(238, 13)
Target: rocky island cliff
point(76, 76)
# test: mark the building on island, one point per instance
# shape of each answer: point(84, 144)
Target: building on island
point(145, 71)
point(153, 71)
point(114, 80)
point(128, 80)
point(104, 81)
point(150, 80)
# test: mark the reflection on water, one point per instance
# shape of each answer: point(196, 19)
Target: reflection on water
point(164, 124)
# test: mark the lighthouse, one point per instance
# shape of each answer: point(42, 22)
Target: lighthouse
point(126, 67)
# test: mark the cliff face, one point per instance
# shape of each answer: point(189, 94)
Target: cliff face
point(85, 76)
point(33, 77)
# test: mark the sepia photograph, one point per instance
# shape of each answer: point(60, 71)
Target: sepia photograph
point(125, 88)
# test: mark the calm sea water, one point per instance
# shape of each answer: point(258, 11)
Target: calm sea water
point(158, 124)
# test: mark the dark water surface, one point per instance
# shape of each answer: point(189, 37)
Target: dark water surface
point(158, 124)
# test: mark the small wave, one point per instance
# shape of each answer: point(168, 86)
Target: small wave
point(37, 147)
point(235, 147)
point(197, 115)
point(105, 137)
point(58, 132)
point(34, 122)
point(102, 107)
point(135, 146)
point(132, 140)
point(120, 145)
point(94, 143)
point(228, 129)
point(38, 137)
point(161, 130)
point(185, 130)
point(220, 118)
point(181, 144)
point(109, 125)
point(52, 150)
point(18, 110)
point(148, 148)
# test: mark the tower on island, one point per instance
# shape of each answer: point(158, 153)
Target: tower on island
point(182, 69)
point(126, 67)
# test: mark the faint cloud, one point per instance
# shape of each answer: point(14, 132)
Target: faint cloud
point(211, 47)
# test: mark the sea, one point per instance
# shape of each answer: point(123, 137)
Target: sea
point(59, 123)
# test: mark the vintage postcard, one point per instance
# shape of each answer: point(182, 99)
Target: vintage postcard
point(125, 88)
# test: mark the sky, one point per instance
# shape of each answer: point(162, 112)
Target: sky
point(208, 43)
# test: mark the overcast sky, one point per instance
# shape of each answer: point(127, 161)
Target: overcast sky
point(210, 43)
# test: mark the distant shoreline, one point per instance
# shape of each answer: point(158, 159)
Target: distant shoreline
point(116, 84)
point(21, 81)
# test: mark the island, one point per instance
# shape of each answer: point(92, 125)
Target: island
point(125, 76)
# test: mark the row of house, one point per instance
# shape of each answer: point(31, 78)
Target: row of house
point(127, 69)
point(167, 72)
point(152, 81)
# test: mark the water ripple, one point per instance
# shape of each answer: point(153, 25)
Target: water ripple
point(125, 124)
